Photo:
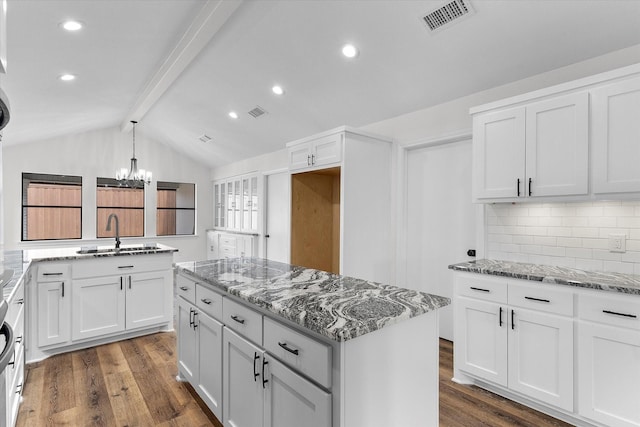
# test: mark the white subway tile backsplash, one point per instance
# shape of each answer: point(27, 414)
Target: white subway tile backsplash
point(565, 234)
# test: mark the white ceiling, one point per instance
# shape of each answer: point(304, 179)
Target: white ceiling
point(295, 43)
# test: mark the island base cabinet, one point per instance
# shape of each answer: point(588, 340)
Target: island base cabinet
point(609, 372)
point(242, 381)
point(187, 342)
point(289, 398)
point(149, 299)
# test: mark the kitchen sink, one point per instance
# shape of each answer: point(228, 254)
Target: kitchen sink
point(115, 251)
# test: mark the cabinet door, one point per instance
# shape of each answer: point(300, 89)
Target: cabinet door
point(187, 339)
point(481, 339)
point(253, 203)
point(327, 150)
point(499, 154)
point(148, 299)
point(300, 156)
point(246, 204)
point(242, 381)
point(541, 356)
point(98, 307)
point(289, 398)
point(210, 362)
point(616, 136)
point(557, 146)
point(218, 204)
point(609, 374)
point(54, 309)
point(230, 202)
point(237, 204)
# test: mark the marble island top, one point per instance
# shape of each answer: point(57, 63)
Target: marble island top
point(337, 307)
point(614, 282)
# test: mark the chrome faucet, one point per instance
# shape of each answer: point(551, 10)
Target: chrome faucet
point(117, 228)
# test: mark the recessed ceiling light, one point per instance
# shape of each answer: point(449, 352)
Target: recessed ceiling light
point(233, 115)
point(67, 77)
point(72, 25)
point(350, 51)
point(277, 90)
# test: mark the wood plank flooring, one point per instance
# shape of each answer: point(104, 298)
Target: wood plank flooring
point(132, 383)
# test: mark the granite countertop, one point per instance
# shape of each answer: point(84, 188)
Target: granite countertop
point(337, 307)
point(613, 282)
point(19, 260)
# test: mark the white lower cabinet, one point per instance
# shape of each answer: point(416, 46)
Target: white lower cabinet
point(240, 381)
point(261, 391)
point(516, 339)
point(200, 353)
point(243, 386)
point(54, 318)
point(98, 307)
point(609, 360)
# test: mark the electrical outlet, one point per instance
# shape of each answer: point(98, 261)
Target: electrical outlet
point(617, 243)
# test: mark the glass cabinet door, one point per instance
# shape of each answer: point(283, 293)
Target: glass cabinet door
point(222, 206)
point(254, 203)
point(216, 205)
point(230, 204)
point(237, 204)
point(246, 205)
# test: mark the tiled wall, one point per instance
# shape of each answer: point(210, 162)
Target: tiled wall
point(565, 234)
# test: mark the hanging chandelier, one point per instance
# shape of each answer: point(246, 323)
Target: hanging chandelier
point(133, 177)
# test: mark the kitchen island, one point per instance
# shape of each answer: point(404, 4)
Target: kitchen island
point(332, 350)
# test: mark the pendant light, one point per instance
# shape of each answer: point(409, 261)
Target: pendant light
point(133, 177)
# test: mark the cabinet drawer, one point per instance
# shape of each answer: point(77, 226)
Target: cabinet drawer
point(308, 356)
point(125, 264)
point(209, 301)
point(52, 272)
point(243, 320)
point(227, 252)
point(15, 311)
point(541, 298)
point(481, 288)
point(186, 288)
point(623, 310)
point(228, 241)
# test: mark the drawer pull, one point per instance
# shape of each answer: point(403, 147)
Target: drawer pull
point(184, 288)
point(206, 301)
point(513, 323)
point(52, 274)
point(255, 374)
point(125, 266)
point(286, 347)
point(500, 318)
point(633, 316)
point(237, 319)
point(537, 299)
point(479, 289)
point(20, 301)
point(62, 289)
point(191, 317)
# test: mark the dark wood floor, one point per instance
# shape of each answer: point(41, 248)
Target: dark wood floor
point(132, 383)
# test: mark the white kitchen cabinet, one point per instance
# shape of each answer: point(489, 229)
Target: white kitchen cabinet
point(98, 307)
point(319, 152)
point(534, 150)
point(213, 246)
point(609, 359)
point(148, 299)
point(200, 344)
point(521, 339)
point(236, 204)
point(14, 371)
point(341, 211)
point(290, 398)
point(231, 245)
point(243, 387)
point(616, 132)
point(53, 287)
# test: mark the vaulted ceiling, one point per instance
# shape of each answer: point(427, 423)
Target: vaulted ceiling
point(180, 66)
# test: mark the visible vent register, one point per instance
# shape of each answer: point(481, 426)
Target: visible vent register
point(446, 15)
point(257, 112)
point(205, 138)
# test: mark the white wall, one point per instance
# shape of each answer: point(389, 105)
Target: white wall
point(98, 154)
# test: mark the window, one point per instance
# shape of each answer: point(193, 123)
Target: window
point(176, 209)
point(51, 207)
point(128, 205)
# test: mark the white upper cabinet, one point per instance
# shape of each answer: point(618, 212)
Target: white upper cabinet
point(319, 152)
point(236, 203)
point(535, 150)
point(616, 137)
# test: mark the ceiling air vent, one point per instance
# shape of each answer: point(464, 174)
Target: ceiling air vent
point(205, 138)
point(447, 15)
point(257, 112)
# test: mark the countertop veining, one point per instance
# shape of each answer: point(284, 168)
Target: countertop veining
point(613, 282)
point(337, 307)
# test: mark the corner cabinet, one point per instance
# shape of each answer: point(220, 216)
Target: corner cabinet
point(616, 136)
point(535, 150)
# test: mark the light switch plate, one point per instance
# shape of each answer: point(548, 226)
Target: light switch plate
point(617, 243)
